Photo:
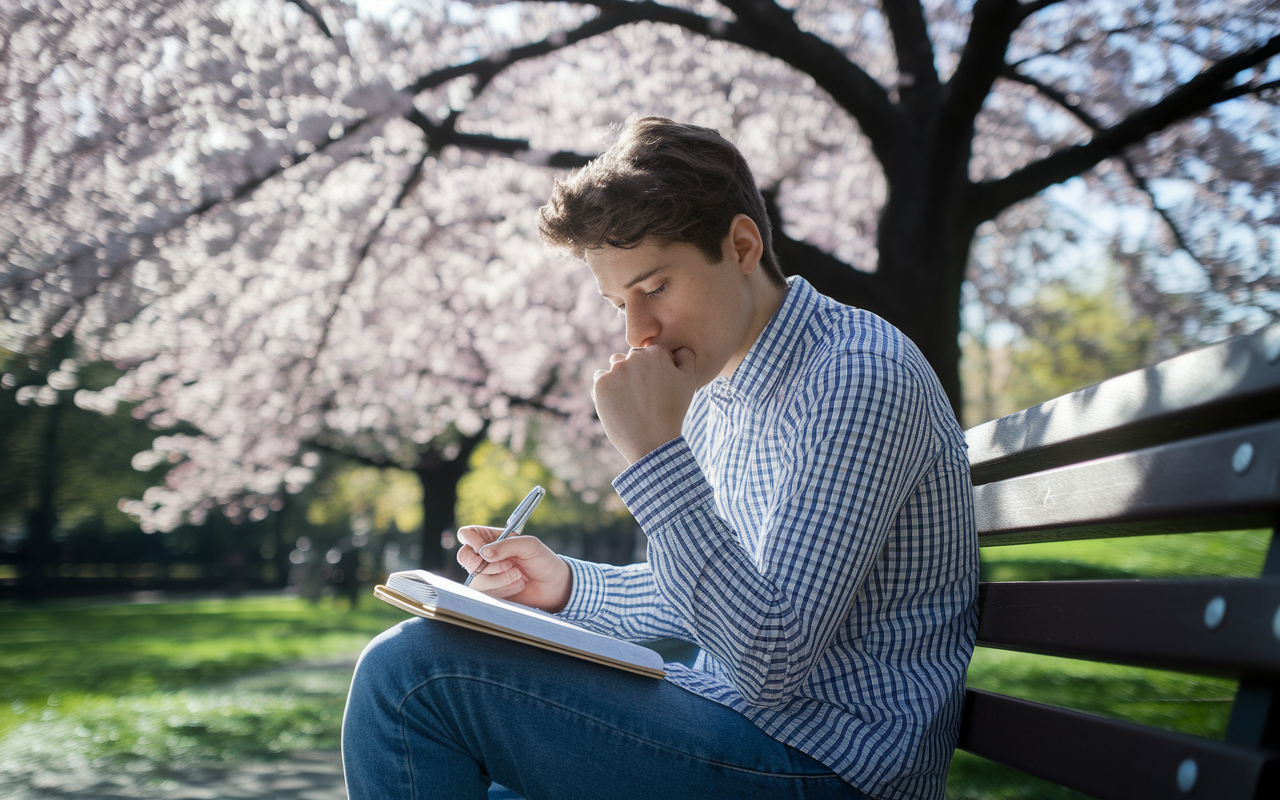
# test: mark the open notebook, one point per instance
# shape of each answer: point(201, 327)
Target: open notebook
point(431, 596)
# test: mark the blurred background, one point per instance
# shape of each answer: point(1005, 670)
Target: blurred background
point(277, 320)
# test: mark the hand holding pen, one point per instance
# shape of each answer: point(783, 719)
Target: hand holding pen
point(515, 523)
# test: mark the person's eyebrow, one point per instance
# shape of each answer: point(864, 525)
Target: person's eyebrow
point(641, 277)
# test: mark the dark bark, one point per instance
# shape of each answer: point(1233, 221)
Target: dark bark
point(924, 248)
point(923, 241)
point(1189, 100)
point(43, 518)
point(439, 476)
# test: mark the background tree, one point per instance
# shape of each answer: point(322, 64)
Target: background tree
point(64, 467)
point(1069, 335)
point(306, 225)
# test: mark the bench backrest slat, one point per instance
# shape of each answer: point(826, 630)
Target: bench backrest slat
point(1111, 759)
point(1226, 385)
point(1214, 626)
point(1223, 481)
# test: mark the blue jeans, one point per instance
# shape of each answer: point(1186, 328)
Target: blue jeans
point(438, 711)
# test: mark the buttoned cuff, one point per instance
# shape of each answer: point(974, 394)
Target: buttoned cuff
point(587, 596)
point(662, 485)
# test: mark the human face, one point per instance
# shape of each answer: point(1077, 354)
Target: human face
point(671, 296)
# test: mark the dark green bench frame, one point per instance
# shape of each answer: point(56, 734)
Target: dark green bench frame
point(1191, 444)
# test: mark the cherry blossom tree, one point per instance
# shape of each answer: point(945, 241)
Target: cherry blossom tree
point(308, 226)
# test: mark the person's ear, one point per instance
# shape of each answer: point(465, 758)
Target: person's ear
point(745, 244)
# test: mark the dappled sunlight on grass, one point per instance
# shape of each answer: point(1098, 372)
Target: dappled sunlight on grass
point(155, 733)
point(160, 687)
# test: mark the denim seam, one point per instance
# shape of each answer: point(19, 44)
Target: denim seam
point(625, 733)
point(408, 762)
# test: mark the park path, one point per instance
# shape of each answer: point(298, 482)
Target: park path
point(310, 775)
point(301, 775)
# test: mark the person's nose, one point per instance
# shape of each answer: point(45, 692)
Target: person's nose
point(642, 328)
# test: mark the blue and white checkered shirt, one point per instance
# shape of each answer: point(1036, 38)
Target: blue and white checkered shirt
point(813, 532)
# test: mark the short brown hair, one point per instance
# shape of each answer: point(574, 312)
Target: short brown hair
point(663, 180)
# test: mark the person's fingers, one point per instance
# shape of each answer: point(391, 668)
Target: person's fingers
point(477, 535)
point(499, 583)
point(519, 547)
point(475, 565)
point(684, 359)
point(469, 559)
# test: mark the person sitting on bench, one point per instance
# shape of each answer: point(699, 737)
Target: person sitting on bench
point(804, 487)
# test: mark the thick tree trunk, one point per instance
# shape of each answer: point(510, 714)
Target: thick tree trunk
point(923, 253)
point(923, 241)
point(439, 476)
point(43, 519)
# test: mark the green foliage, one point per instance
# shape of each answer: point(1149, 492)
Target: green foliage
point(375, 497)
point(499, 480)
point(90, 461)
point(1065, 338)
point(1073, 339)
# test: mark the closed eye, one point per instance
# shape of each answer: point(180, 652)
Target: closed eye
point(621, 307)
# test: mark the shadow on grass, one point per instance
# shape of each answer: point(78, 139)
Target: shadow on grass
point(975, 778)
point(47, 654)
point(1042, 570)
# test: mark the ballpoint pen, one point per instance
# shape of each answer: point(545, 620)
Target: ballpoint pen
point(515, 522)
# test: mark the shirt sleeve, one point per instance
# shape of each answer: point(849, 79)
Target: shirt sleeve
point(861, 441)
point(621, 602)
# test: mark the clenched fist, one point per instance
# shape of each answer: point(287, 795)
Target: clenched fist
point(643, 396)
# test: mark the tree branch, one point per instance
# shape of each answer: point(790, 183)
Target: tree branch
point(1245, 89)
point(828, 274)
point(916, 68)
point(491, 65)
point(312, 12)
point(341, 452)
point(761, 25)
point(767, 28)
point(994, 22)
point(81, 251)
point(326, 326)
point(1191, 98)
point(1054, 94)
point(1093, 124)
point(1076, 41)
point(1142, 184)
point(1036, 5)
point(981, 61)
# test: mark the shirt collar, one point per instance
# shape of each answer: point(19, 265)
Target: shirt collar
point(770, 353)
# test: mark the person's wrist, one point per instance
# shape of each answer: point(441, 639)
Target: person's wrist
point(566, 591)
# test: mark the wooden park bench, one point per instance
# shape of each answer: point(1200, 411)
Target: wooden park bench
point(1191, 444)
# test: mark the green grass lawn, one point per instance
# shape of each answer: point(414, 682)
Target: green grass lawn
point(153, 689)
point(174, 686)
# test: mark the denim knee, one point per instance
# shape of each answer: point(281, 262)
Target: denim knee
point(393, 655)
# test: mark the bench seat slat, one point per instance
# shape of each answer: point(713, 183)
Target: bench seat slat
point(1236, 382)
point(1110, 759)
point(1186, 486)
point(1164, 624)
